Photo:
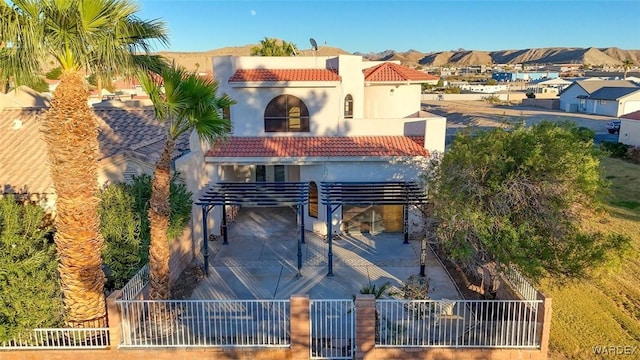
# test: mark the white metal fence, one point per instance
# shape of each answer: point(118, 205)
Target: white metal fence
point(332, 329)
point(520, 284)
point(136, 284)
point(200, 323)
point(458, 323)
point(63, 338)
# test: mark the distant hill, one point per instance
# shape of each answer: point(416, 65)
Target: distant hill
point(593, 56)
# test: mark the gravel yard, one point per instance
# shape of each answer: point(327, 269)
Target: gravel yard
point(482, 115)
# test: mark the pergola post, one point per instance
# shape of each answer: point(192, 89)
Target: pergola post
point(329, 238)
point(205, 240)
point(301, 223)
point(301, 238)
point(405, 223)
point(224, 225)
point(423, 256)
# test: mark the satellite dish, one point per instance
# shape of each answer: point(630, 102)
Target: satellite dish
point(314, 44)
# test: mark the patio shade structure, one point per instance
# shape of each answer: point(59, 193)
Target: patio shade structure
point(336, 194)
point(263, 194)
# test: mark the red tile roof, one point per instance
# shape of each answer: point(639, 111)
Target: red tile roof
point(391, 72)
point(319, 146)
point(632, 116)
point(284, 75)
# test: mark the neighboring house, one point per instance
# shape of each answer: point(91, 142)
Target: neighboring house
point(612, 101)
point(630, 129)
point(130, 143)
point(510, 76)
point(23, 97)
point(574, 97)
point(314, 120)
point(547, 86)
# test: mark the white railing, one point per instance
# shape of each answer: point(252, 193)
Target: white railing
point(136, 284)
point(458, 323)
point(200, 323)
point(332, 329)
point(520, 284)
point(60, 338)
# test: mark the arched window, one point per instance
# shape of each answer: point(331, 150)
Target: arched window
point(313, 199)
point(348, 107)
point(286, 113)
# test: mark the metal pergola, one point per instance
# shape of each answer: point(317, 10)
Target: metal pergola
point(336, 194)
point(263, 194)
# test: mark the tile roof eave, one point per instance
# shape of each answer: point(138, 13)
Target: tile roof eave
point(302, 160)
point(284, 84)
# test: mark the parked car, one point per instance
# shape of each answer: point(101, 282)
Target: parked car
point(613, 127)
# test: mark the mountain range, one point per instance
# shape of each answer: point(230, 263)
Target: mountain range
point(611, 56)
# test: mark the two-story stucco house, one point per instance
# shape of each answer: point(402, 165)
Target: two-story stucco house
point(314, 120)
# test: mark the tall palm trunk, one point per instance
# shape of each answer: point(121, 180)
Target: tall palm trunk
point(159, 211)
point(71, 132)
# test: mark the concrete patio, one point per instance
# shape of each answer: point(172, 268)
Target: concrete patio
point(260, 261)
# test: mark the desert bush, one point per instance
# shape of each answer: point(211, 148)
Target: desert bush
point(615, 149)
point(416, 288)
point(452, 90)
point(29, 288)
point(492, 99)
point(124, 224)
point(633, 154)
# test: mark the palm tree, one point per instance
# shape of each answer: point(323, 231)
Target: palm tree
point(271, 47)
point(183, 102)
point(81, 36)
point(627, 64)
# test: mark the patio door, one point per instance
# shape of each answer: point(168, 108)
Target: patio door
point(271, 173)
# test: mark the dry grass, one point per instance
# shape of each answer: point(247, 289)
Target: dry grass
point(606, 309)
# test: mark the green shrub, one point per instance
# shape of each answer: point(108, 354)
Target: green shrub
point(615, 149)
point(583, 133)
point(54, 74)
point(120, 228)
point(29, 288)
point(124, 224)
point(38, 84)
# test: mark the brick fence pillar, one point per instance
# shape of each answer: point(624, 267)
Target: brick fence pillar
point(115, 320)
point(300, 327)
point(365, 325)
point(546, 327)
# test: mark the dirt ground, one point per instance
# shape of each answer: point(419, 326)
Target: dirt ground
point(482, 115)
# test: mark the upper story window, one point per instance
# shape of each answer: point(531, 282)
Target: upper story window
point(226, 112)
point(286, 113)
point(348, 107)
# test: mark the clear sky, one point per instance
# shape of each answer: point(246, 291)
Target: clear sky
point(378, 25)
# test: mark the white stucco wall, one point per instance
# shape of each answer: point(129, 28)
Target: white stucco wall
point(602, 107)
point(629, 132)
point(629, 105)
point(391, 101)
point(570, 96)
point(324, 100)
